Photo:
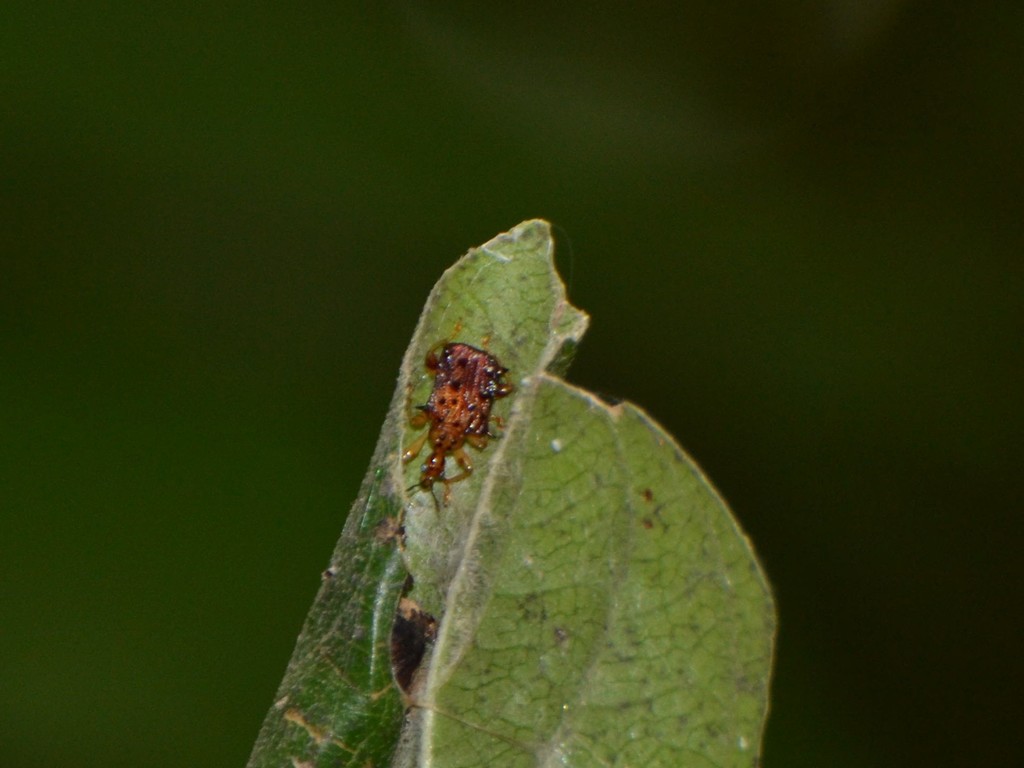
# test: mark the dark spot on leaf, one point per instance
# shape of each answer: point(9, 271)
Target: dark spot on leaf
point(647, 523)
point(532, 608)
point(413, 630)
point(389, 530)
point(648, 494)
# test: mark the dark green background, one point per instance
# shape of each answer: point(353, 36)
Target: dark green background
point(797, 227)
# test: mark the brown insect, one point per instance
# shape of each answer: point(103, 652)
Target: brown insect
point(467, 380)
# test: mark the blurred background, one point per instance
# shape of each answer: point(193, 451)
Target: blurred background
point(797, 227)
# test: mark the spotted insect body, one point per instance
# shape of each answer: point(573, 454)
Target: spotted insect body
point(467, 381)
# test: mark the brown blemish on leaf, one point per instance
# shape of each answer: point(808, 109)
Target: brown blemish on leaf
point(316, 733)
point(413, 630)
point(389, 529)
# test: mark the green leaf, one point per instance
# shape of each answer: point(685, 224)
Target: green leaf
point(606, 610)
point(338, 704)
point(597, 603)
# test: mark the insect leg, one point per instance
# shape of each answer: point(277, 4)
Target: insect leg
point(414, 448)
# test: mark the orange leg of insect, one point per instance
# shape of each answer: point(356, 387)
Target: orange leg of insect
point(462, 459)
point(414, 448)
point(431, 356)
point(416, 421)
point(431, 361)
point(459, 454)
point(477, 441)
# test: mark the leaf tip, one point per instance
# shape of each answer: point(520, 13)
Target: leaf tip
point(532, 234)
